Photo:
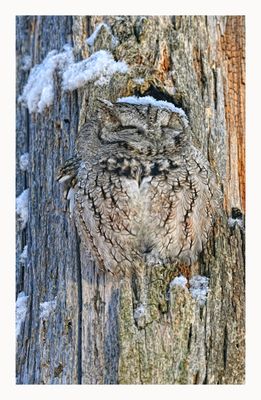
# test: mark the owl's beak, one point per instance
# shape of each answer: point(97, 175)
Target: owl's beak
point(153, 134)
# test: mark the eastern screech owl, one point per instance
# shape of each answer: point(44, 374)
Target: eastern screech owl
point(142, 191)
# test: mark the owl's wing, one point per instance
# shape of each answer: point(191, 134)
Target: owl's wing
point(106, 215)
point(185, 203)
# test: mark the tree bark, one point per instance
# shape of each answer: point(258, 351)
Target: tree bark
point(90, 335)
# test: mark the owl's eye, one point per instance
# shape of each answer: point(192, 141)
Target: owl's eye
point(172, 132)
point(130, 129)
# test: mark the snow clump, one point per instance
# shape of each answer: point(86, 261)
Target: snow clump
point(24, 162)
point(46, 308)
point(91, 39)
point(21, 309)
point(22, 207)
point(178, 281)
point(149, 100)
point(38, 93)
point(199, 288)
point(98, 68)
point(23, 255)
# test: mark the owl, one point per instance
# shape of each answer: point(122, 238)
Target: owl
point(140, 191)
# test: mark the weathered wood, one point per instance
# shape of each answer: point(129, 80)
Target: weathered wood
point(90, 335)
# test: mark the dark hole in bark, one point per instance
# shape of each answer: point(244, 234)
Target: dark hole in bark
point(58, 370)
point(225, 347)
point(190, 336)
point(236, 213)
point(196, 378)
point(134, 288)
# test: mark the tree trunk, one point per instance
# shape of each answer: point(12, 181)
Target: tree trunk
point(78, 324)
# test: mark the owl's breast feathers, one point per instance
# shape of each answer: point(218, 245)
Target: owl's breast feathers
point(133, 168)
point(127, 207)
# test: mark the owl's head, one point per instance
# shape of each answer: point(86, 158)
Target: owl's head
point(142, 124)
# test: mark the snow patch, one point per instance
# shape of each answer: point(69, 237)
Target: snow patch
point(232, 222)
point(140, 311)
point(139, 81)
point(21, 309)
point(23, 255)
point(178, 281)
point(199, 288)
point(91, 40)
point(149, 100)
point(98, 68)
point(26, 63)
point(22, 207)
point(46, 308)
point(38, 93)
point(24, 162)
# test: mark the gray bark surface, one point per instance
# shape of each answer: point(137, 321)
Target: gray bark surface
point(90, 336)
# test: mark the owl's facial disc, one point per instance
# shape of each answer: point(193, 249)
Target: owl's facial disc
point(140, 128)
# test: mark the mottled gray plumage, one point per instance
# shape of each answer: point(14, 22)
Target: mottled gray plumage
point(143, 192)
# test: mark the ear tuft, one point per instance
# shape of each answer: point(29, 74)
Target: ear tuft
point(107, 113)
